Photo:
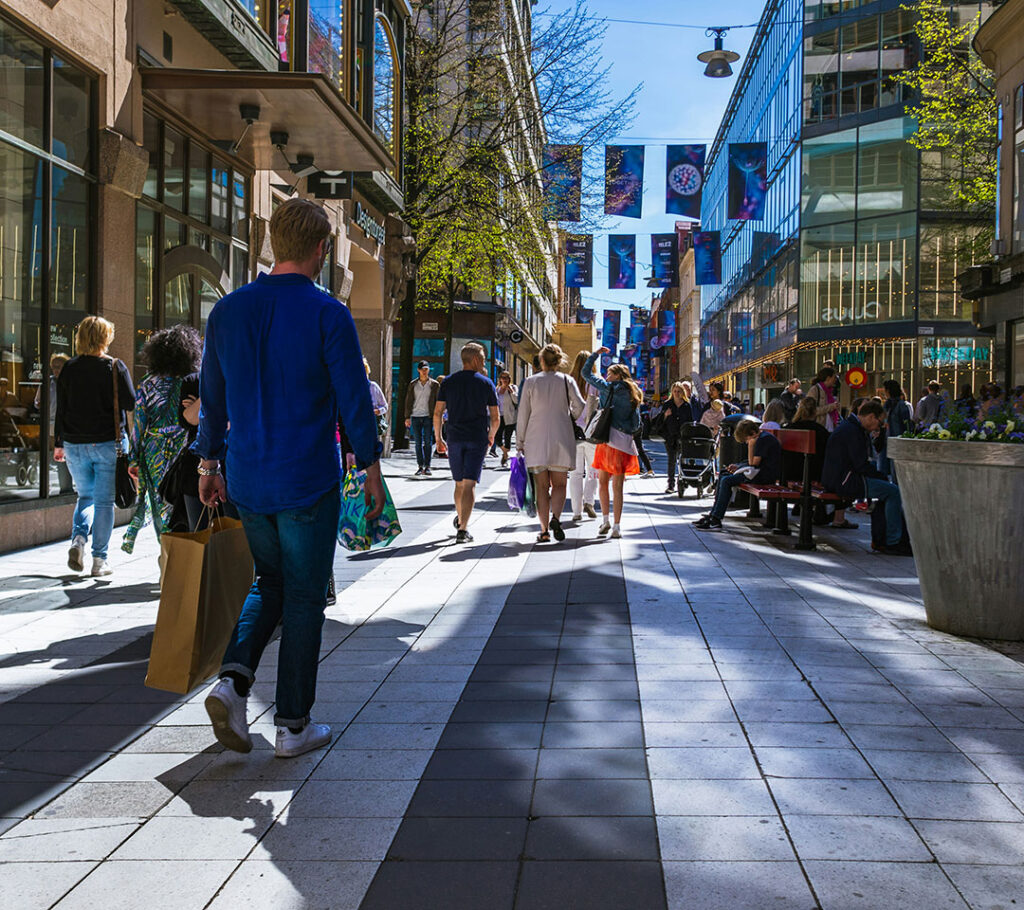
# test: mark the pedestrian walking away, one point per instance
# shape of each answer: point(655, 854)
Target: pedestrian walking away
point(616, 458)
point(158, 439)
point(281, 364)
point(420, 398)
point(549, 404)
point(85, 431)
point(471, 402)
point(583, 478)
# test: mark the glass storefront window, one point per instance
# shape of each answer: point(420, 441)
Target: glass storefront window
point(239, 208)
point(886, 168)
point(1017, 355)
point(23, 68)
point(885, 269)
point(956, 362)
point(174, 169)
point(239, 267)
point(830, 178)
point(72, 102)
point(219, 202)
point(385, 83)
point(327, 39)
point(69, 251)
point(145, 275)
point(827, 257)
point(946, 251)
point(198, 173)
point(151, 143)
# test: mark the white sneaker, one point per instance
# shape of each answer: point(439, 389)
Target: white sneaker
point(100, 567)
point(76, 555)
point(604, 529)
point(227, 710)
point(312, 736)
point(616, 533)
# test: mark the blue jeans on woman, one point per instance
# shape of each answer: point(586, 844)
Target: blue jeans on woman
point(93, 466)
point(422, 429)
point(294, 556)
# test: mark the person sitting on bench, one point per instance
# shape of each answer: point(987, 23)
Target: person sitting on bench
point(850, 471)
point(764, 460)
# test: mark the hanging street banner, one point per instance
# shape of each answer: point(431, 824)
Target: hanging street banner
point(707, 256)
point(563, 175)
point(621, 261)
point(579, 261)
point(584, 315)
point(665, 260)
point(684, 179)
point(748, 180)
point(663, 335)
point(610, 329)
point(638, 318)
point(624, 180)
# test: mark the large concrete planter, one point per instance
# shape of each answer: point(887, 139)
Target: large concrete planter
point(964, 503)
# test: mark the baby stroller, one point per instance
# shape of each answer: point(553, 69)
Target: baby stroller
point(696, 459)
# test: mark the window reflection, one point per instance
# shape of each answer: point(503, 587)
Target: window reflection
point(69, 248)
point(385, 80)
point(174, 168)
point(72, 101)
point(22, 69)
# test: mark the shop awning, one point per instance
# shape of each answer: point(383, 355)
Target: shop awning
point(305, 105)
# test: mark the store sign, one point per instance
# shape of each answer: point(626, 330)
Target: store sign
point(867, 313)
point(949, 352)
point(371, 227)
point(851, 357)
point(771, 373)
point(430, 327)
point(856, 378)
point(330, 185)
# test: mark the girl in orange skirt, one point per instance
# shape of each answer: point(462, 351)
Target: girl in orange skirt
point(615, 459)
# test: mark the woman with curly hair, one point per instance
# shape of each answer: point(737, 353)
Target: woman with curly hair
point(170, 356)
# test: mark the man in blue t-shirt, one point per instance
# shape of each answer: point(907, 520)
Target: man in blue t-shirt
point(471, 401)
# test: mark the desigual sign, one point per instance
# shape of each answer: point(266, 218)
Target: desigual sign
point(370, 226)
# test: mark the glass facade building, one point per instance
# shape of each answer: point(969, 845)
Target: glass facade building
point(851, 263)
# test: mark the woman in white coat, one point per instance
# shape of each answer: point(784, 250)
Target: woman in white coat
point(549, 403)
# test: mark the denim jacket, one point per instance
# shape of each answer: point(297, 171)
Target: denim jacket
point(625, 417)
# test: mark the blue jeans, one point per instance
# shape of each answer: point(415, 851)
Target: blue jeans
point(889, 494)
point(93, 466)
point(724, 493)
point(422, 429)
point(294, 556)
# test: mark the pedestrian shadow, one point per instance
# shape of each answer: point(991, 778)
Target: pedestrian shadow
point(395, 551)
point(69, 593)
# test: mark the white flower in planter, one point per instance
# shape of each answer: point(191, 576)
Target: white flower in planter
point(989, 425)
point(944, 434)
point(935, 427)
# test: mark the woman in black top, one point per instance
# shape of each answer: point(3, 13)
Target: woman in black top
point(675, 413)
point(84, 436)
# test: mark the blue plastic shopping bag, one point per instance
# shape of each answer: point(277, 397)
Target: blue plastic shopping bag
point(354, 531)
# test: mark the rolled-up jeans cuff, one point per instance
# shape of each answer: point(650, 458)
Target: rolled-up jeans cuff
point(239, 668)
point(293, 723)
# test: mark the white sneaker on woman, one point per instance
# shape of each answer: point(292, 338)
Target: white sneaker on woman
point(310, 737)
point(226, 709)
point(100, 567)
point(604, 529)
point(616, 533)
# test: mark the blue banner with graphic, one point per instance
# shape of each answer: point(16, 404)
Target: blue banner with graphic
point(684, 179)
point(665, 260)
point(621, 261)
point(562, 177)
point(748, 180)
point(624, 180)
point(610, 329)
point(584, 315)
point(707, 256)
point(579, 258)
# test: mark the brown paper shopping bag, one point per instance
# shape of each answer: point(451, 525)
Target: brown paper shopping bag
point(207, 576)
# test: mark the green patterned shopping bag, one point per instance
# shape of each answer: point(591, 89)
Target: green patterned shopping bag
point(354, 531)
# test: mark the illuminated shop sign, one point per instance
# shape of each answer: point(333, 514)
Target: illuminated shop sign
point(950, 351)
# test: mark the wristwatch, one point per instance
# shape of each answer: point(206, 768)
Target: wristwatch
point(208, 472)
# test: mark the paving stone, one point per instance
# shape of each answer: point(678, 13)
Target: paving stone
point(67, 840)
point(974, 842)
point(597, 764)
point(596, 886)
point(737, 838)
point(702, 764)
point(478, 799)
point(712, 797)
point(843, 885)
point(832, 797)
point(167, 885)
point(450, 839)
point(198, 837)
point(451, 885)
point(778, 761)
point(328, 839)
point(592, 734)
point(987, 887)
point(296, 885)
point(592, 797)
point(849, 837)
point(592, 838)
point(39, 885)
point(110, 800)
point(901, 764)
point(491, 736)
point(737, 886)
point(942, 799)
point(482, 764)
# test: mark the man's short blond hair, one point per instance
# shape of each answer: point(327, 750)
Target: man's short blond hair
point(95, 334)
point(296, 227)
point(471, 351)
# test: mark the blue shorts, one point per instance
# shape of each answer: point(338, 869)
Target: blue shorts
point(466, 459)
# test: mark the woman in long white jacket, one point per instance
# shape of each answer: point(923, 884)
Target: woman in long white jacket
point(549, 403)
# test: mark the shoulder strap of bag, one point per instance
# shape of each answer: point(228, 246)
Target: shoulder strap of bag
point(117, 409)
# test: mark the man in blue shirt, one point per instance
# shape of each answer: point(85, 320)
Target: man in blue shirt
point(281, 363)
point(472, 405)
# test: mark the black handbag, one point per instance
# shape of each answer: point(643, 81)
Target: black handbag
point(577, 430)
point(599, 428)
point(126, 488)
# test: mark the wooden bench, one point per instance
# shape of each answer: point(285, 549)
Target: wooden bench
point(779, 495)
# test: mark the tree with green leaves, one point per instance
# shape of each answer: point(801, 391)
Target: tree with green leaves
point(954, 102)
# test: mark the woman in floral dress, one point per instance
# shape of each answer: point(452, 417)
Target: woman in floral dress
point(170, 355)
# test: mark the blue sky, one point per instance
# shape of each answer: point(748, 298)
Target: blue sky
point(676, 104)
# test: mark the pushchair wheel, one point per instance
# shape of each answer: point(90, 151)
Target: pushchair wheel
point(22, 476)
point(681, 490)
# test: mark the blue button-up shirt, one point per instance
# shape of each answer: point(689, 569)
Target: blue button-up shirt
point(281, 363)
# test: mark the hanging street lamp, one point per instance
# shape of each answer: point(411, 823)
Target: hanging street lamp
point(718, 59)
